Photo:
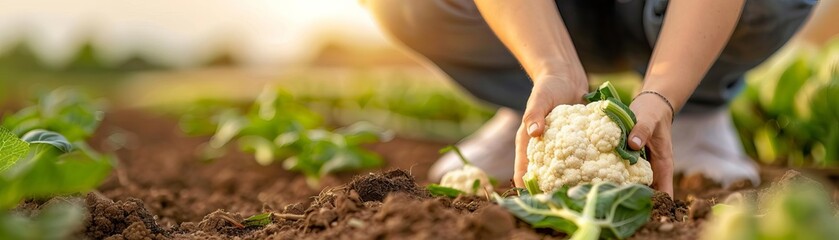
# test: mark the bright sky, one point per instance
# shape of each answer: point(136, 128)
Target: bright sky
point(183, 32)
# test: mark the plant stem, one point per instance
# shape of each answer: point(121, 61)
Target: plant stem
point(289, 216)
point(232, 221)
point(531, 183)
point(591, 202)
point(586, 230)
point(587, 227)
point(459, 154)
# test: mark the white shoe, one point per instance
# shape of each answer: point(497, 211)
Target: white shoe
point(491, 148)
point(708, 144)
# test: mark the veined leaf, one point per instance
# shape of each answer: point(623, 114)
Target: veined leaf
point(601, 210)
point(11, 149)
point(48, 171)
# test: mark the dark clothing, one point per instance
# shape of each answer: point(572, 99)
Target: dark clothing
point(609, 36)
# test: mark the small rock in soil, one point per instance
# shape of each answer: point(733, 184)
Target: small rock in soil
point(665, 227)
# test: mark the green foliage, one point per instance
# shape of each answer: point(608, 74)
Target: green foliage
point(441, 191)
point(65, 111)
point(601, 210)
point(278, 126)
point(788, 114)
point(412, 104)
point(45, 163)
point(318, 152)
point(48, 168)
point(11, 149)
point(259, 220)
point(40, 136)
point(56, 221)
point(799, 210)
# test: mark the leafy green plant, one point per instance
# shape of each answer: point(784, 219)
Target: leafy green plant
point(801, 209)
point(787, 114)
point(65, 110)
point(45, 163)
point(412, 104)
point(278, 126)
point(589, 211)
point(56, 221)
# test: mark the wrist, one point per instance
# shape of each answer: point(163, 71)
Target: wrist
point(560, 72)
point(656, 104)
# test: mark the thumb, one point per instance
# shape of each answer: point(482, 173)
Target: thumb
point(533, 119)
point(640, 134)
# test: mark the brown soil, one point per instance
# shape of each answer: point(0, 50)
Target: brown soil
point(161, 190)
point(121, 219)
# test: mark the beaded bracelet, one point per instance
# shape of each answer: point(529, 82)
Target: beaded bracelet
point(672, 110)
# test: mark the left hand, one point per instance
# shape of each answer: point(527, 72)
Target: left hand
point(653, 131)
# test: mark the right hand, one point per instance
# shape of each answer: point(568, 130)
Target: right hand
point(549, 90)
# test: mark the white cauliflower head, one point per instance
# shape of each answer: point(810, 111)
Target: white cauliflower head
point(578, 146)
point(464, 179)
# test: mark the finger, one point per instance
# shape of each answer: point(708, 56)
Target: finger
point(534, 115)
point(641, 133)
point(522, 139)
point(661, 161)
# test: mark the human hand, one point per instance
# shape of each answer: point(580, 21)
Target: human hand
point(548, 92)
point(653, 131)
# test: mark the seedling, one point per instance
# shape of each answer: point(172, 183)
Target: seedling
point(50, 158)
point(279, 127)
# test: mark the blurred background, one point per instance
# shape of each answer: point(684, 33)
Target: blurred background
point(169, 56)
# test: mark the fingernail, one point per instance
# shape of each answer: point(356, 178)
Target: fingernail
point(532, 128)
point(637, 141)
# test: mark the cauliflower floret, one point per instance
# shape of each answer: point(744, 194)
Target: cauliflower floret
point(578, 147)
point(464, 179)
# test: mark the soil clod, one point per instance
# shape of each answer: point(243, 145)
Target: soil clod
point(375, 187)
point(108, 218)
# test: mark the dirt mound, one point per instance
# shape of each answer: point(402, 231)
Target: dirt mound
point(674, 219)
point(665, 209)
point(126, 219)
point(375, 187)
point(391, 205)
